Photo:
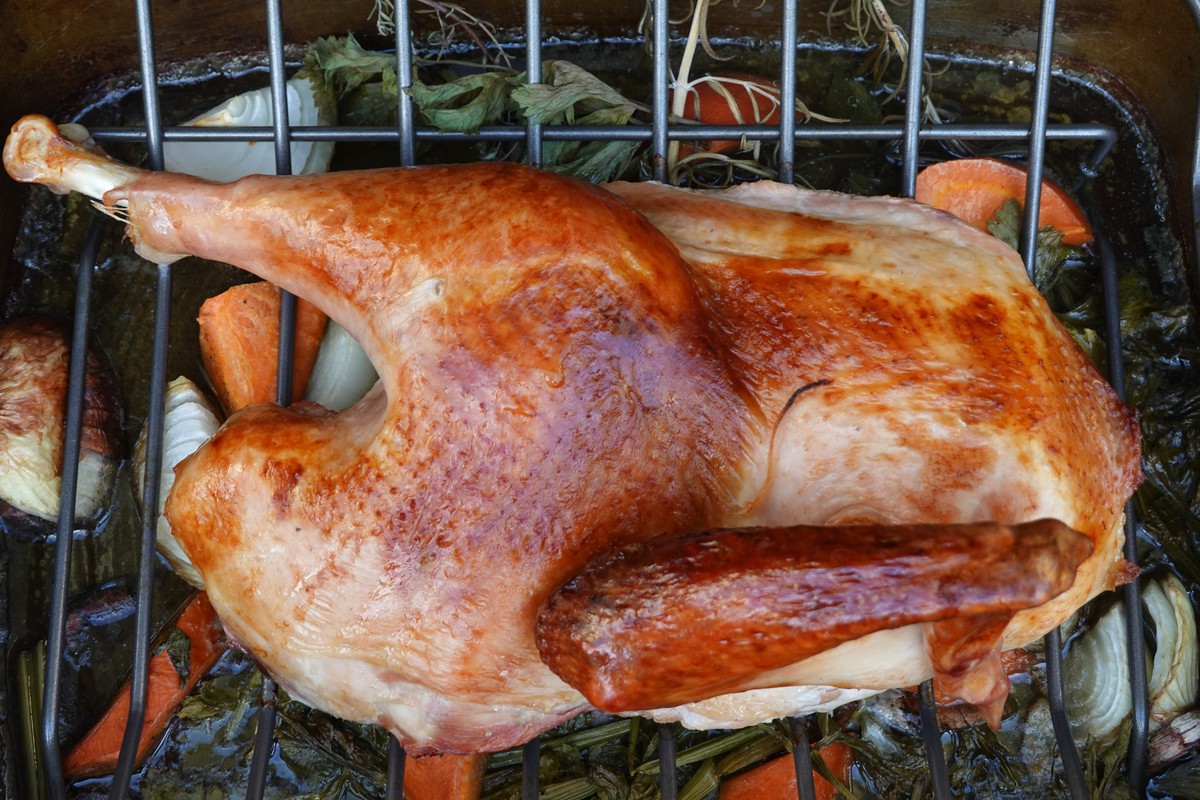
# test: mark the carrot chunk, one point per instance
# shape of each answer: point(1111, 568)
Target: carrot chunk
point(97, 752)
point(776, 779)
point(973, 189)
point(239, 335)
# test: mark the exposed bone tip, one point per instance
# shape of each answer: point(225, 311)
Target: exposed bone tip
point(37, 151)
point(28, 147)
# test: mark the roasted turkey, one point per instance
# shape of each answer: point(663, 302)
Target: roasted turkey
point(716, 456)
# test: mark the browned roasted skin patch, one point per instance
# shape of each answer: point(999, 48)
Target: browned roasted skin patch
point(678, 620)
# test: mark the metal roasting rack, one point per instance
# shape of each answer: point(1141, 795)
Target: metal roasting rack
point(909, 134)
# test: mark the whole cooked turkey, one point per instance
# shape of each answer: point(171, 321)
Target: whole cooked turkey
point(711, 456)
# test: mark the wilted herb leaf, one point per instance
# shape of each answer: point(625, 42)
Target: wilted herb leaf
point(345, 64)
point(179, 650)
point(1051, 254)
point(211, 742)
point(466, 104)
point(568, 91)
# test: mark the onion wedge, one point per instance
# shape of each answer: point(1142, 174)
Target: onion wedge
point(229, 160)
point(190, 419)
point(1173, 677)
point(34, 366)
point(342, 373)
point(1097, 667)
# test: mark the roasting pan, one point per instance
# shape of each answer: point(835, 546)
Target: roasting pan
point(1145, 56)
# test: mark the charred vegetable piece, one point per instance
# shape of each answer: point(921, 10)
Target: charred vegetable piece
point(34, 365)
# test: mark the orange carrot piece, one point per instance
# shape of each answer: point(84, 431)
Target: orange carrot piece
point(973, 189)
point(97, 752)
point(239, 334)
point(444, 777)
point(776, 779)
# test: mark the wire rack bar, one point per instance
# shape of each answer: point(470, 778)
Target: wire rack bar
point(405, 113)
point(811, 132)
point(405, 121)
point(531, 759)
point(1196, 183)
point(281, 136)
point(931, 734)
point(660, 97)
point(787, 92)
point(1027, 246)
point(1131, 593)
point(802, 760)
point(666, 763)
point(64, 529)
point(139, 680)
point(1037, 136)
point(533, 72)
point(1072, 769)
point(914, 96)
point(395, 770)
point(914, 106)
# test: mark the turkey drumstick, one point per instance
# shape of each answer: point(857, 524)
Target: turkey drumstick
point(585, 389)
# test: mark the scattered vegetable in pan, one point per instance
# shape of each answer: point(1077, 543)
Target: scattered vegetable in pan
point(308, 103)
point(34, 367)
point(190, 419)
point(974, 189)
point(342, 373)
point(733, 99)
point(444, 777)
point(173, 672)
point(776, 779)
point(1097, 666)
point(1173, 674)
point(239, 334)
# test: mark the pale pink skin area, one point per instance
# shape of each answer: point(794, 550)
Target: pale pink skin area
point(567, 368)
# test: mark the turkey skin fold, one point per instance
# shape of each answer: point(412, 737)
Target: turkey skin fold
point(710, 456)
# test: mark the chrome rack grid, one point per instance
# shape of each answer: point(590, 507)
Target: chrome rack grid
point(910, 133)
